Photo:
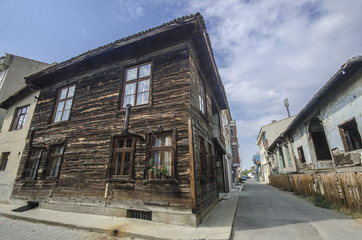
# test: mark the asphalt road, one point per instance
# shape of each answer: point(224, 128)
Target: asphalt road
point(265, 212)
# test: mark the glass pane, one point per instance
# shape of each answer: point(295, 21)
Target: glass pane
point(130, 89)
point(157, 158)
point(18, 112)
point(145, 70)
point(65, 115)
point(23, 110)
point(143, 86)
point(168, 140)
point(20, 122)
point(127, 161)
point(167, 161)
point(57, 166)
point(68, 104)
point(120, 143)
point(71, 91)
point(131, 74)
point(58, 116)
point(128, 100)
point(60, 106)
point(142, 98)
point(157, 142)
point(129, 143)
point(117, 168)
point(36, 153)
point(63, 93)
point(23, 122)
point(60, 149)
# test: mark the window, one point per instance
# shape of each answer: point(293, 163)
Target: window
point(233, 151)
point(32, 165)
point(350, 136)
point(137, 85)
point(281, 156)
point(203, 159)
point(63, 104)
point(163, 151)
point(232, 131)
point(19, 118)
point(202, 97)
point(288, 155)
point(55, 159)
point(122, 156)
point(301, 154)
point(319, 139)
point(4, 160)
point(2, 76)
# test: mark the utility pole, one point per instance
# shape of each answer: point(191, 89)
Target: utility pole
point(286, 103)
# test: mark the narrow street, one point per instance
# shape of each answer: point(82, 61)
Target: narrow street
point(265, 212)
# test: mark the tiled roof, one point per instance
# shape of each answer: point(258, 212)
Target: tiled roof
point(122, 41)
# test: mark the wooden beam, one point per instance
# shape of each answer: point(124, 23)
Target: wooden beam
point(192, 167)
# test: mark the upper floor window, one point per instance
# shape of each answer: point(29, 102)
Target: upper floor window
point(136, 90)
point(163, 151)
point(232, 131)
point(233, 151)
point(4, 160)
point(64, 103)
point(122, 156)
point(54, 161)
point(202, 97)
point(19, 118)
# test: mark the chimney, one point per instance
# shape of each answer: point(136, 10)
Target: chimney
point(274, 121)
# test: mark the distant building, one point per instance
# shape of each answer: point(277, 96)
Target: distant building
point(13, 69)
point(236, 167)
point(257, 163)
point(267, 135)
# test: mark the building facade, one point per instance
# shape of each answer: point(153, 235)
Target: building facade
point(236, 168)
point(108, 121)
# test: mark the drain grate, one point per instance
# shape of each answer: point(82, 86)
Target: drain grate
point(145, 215)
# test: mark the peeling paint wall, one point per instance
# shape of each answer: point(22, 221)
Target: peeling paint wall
point(344, 106)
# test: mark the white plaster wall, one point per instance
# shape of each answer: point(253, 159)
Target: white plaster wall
point(14, 142)
point(301, 140)
point(343, 106)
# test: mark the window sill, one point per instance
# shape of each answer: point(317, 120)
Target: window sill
point(61, 123)
point(125, 179)
point(169, 180)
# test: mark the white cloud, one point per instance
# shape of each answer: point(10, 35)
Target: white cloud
point(268, 50)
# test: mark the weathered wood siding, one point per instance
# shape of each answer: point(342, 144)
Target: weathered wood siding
point(95, 117)
point(206, 188)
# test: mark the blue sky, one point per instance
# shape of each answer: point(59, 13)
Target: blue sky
point(266, 50)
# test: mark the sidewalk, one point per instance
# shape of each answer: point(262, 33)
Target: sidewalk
point(217, 225)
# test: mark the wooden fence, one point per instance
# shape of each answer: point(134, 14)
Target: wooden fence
point(340, 189)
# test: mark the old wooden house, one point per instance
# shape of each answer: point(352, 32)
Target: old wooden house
point(87, 151)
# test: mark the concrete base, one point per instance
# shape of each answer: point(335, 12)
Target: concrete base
point(174, 218)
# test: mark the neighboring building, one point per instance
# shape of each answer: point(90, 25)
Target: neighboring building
point(20, 108)
point(257, 163)
point(267, 135)
point(326, 134)
point(13, 69)
point(234, 151)
point(92, 152)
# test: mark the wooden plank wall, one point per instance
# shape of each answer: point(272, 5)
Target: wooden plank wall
point(206, 187)
point(95, 117)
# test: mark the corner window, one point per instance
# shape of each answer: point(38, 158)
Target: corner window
point(163, 151)
point(232, 131)
point(19, 118)
point(122, 156)
point(32, 164)
point(136, 90)
point(350, 136)
point(4, 160)
point(54, 161)
point(202, 97)
point(63, 103)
